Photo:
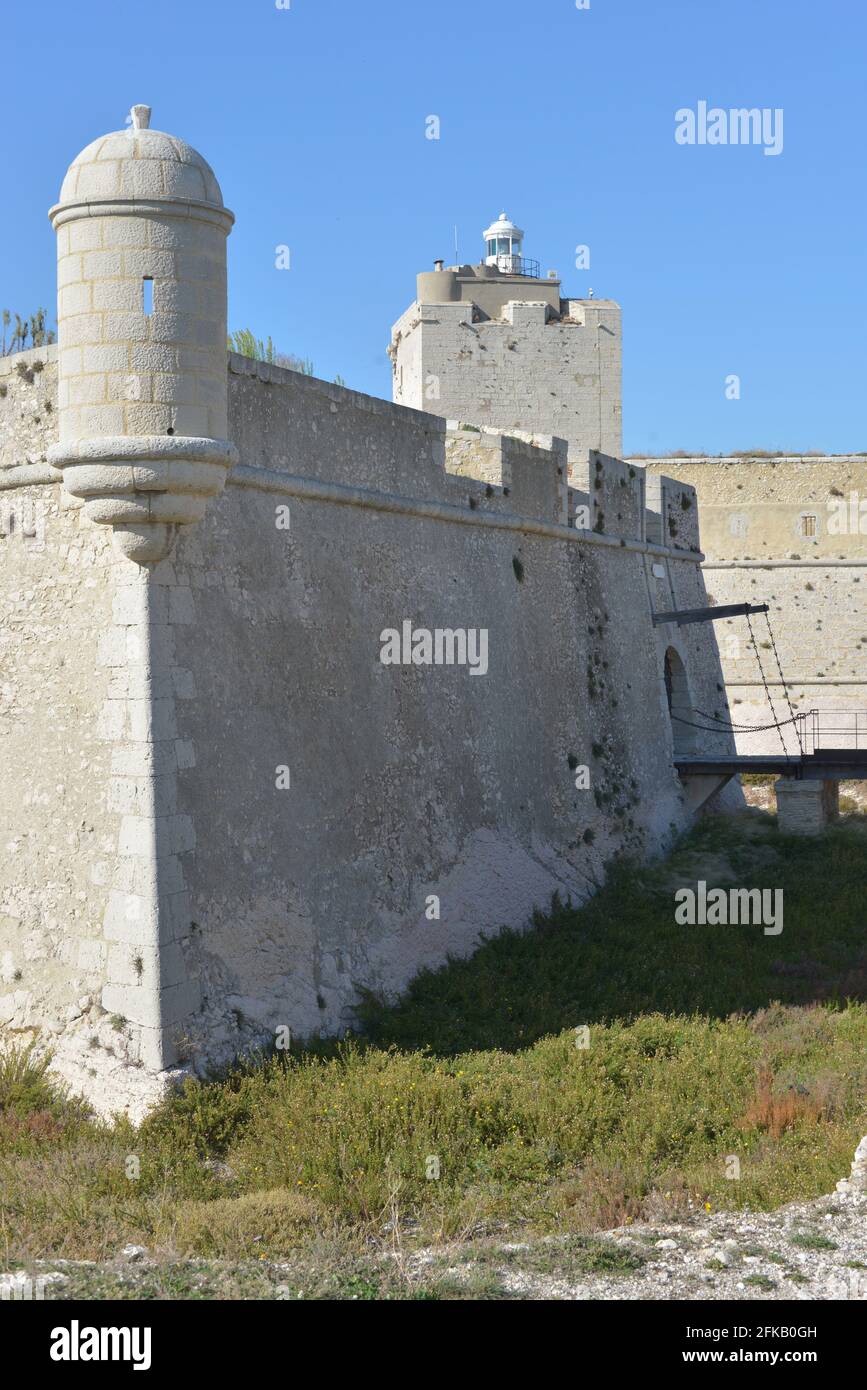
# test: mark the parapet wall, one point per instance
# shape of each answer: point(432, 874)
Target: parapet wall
point(28, 408)
point(248, 782)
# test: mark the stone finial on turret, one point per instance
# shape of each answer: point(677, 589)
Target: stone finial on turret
point(141, 244)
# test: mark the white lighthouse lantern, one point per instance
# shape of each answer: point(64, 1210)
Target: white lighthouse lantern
point(504, 244)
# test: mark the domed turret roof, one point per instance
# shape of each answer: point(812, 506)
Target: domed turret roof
point(140, 163)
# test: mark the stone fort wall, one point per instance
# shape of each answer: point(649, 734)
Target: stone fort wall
point(791, 532)
point(225, 813)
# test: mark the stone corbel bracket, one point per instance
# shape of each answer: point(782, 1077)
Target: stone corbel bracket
point(144, 486)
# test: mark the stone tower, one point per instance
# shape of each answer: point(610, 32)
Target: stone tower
point(493, 344)
point(141, 246)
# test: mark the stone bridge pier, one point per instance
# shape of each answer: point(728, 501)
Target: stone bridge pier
point(808, 806)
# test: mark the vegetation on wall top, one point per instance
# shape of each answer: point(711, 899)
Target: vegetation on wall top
point(33, 329)
point(246, 344)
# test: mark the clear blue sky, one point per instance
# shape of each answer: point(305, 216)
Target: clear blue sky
point(724, 260)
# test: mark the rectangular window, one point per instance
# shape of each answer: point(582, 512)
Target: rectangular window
point(808, 526)
point(148, 294)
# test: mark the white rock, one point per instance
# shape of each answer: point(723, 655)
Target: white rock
point(858, 1176)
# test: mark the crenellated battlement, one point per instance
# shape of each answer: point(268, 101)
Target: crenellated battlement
point(308, 429)
point(674, 508)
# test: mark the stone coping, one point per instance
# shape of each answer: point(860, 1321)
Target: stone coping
point(8, 364)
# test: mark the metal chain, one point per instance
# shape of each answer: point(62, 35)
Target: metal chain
point(765, 682)
point(723, 726)
point(785, 687)
point(736, 728)
point(726, 724)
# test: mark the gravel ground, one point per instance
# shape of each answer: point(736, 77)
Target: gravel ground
point(804, 1251)
point(807, 1251)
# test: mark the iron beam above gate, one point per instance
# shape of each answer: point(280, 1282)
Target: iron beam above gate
point(682, 616)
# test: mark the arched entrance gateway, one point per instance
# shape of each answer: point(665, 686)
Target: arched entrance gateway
point(679, 703)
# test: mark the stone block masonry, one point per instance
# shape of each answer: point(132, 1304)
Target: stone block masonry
point(528, 368)
point(806, 808)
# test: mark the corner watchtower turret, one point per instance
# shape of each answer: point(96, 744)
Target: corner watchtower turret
point(141, 246)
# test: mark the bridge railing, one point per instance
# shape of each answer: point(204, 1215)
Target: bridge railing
point(839, 729)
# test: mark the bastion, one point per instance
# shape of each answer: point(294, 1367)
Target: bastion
point(224, 813)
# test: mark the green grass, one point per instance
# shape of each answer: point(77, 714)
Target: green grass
point(26, 1088)
point(704, 1042)
point(622, 955)
point(323, 1272)
point(809, 1240)
point(760, 1281)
